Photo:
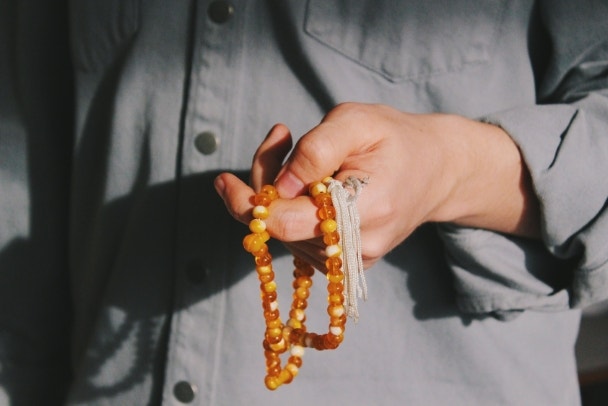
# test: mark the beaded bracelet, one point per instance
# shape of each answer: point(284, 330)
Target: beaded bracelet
point(293, 336)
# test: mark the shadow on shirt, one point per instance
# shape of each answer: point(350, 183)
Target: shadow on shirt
point(152, 268)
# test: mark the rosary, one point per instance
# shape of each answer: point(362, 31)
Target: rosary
point(338, 216)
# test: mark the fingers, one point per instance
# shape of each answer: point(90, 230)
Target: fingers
point(236, 195)
point(310, 251)
point(269, 156)
point(289, 220)
point(342, 135)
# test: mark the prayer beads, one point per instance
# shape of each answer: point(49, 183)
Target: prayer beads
point(292, 336)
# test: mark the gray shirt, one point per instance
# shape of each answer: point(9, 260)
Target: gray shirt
point(126, 245)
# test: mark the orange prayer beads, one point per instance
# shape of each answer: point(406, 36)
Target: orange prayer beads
point(292, 336)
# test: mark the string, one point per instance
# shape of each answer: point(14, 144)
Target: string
point(347, 217)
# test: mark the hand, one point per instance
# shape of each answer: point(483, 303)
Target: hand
point(421, 168)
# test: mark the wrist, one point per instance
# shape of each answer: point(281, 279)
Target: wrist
point(487, 184)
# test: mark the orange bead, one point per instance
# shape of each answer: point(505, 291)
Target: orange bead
point(326, 212)
point(293, 323)
point(266, 277)
point(270, 296)
point(335, 278)
point(297, 361)
point(335, 310)
point(323, 199)
point(329, 342)
point(274, 323)
point(272, 382)
point(262, 251)
point(269, 286)
point(272, 341)
point(296, 336)
point(263, 260)
point(279, 347)
point(285, 376)
point(302, 282)
point(307, 272)
point(335, 287)
point(301, 293)
point(293, 369)
point(270, 191)
point(272, 358)
point(253, 242)
point(336, 298)
point(269, 305)
point(327, 226)
point(274, 369)
point(331, 238)
point(318, 343)
point(274, 332)
point(271, 314)
point(339, 321)
point(299, 303)
point(297, 314)
point(257, 226)
point(262, 199)
point(264, 269)
point(264, 236)
point(333, 264)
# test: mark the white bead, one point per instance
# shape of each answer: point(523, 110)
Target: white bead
point(297, 351)
point(260, 212)
point(274, 306)
point(318, 189)
point(335, 330)
point(333, 250)
point(336, 311)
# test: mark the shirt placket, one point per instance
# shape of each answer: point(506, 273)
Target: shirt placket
point(199, 302)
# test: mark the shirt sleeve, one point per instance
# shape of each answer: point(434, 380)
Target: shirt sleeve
point(564, 142)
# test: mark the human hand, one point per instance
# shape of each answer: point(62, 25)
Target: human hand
point(421, 168)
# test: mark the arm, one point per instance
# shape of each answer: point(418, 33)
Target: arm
point(422, 168)
point(564, 142)
point(481, 222)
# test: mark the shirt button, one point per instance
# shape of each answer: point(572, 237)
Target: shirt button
point(220, 11)
point(197, 272)
point(206, 143)
point(184, 391)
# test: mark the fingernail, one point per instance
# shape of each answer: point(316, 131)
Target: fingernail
point(288, 185)
point(220, 186)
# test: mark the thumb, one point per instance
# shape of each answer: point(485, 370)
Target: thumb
point(318, 154)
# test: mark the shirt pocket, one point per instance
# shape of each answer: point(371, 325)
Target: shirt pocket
point(408, 40)
point(100, 29)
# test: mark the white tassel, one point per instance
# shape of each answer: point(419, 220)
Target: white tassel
point(347, 217)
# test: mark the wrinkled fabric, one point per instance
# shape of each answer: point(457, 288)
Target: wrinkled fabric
point(160, 290)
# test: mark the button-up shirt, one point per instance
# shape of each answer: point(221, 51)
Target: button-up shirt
point(116, 235)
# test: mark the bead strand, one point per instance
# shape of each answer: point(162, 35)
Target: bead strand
point(292, 336)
